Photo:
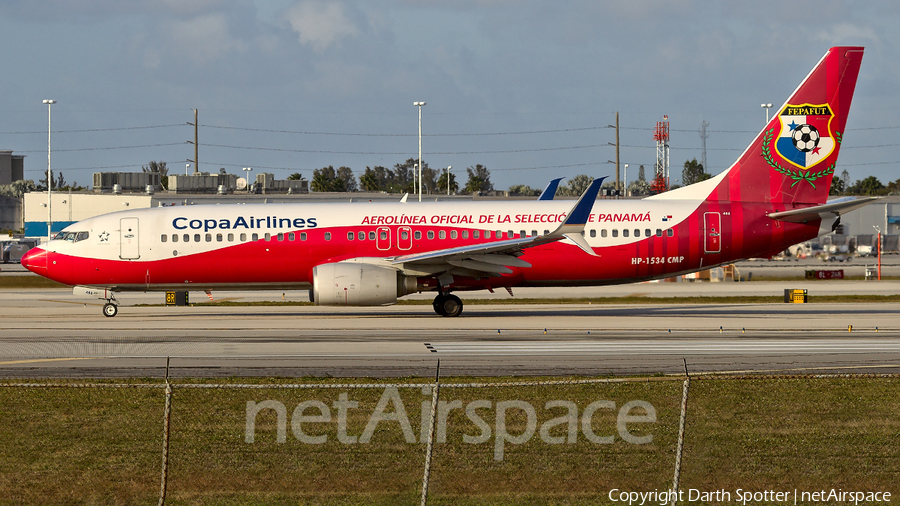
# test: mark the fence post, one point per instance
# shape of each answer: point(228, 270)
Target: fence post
point(165, 456)
point(680, 448)
point(430, 444)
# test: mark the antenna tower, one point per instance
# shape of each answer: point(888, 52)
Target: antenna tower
point(661, 136)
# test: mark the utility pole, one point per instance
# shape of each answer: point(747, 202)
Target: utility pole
point(196, 149)
point(703, 136)
point(617, 154)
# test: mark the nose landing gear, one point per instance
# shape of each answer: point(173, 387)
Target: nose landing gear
point(110, 309)
point(447, 304)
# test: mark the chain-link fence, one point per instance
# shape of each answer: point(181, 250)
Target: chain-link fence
point(572, 441)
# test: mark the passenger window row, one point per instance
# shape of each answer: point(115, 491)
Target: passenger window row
point(441, 234)
point(382, 234)
point(637, 232)
point(231, 237)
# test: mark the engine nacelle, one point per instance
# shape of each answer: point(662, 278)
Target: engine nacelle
point(359, 284)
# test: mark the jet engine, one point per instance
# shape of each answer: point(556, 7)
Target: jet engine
point(359, 284)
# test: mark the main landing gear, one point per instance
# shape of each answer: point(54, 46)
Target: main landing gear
point(446, 304)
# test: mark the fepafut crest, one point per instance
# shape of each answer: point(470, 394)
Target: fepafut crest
point(804, 140)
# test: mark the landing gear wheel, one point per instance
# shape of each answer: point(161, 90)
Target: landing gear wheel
point(110, 309)
point(451, 306)
point(438, 304)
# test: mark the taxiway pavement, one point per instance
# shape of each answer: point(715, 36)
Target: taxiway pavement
point(50, 333)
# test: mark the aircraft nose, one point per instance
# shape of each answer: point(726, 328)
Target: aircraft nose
point(35, 260)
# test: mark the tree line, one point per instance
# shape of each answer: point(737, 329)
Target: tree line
point(868, 186)
point(401, 178)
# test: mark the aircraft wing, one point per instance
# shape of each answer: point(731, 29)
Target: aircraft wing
point(827, 210)
point(493, 258)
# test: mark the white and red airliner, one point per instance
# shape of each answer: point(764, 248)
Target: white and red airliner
point(362, 254)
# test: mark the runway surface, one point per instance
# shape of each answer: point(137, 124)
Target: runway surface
point(48, 333)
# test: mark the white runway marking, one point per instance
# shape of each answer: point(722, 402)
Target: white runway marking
point(668, 347)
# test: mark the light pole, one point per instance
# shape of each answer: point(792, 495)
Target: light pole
point(247, 170)
point(49, 176)
point(419, 105)
point(625, 186)
point(878, 246)
point(766, 107)
point(448, 179)
point(186, 167)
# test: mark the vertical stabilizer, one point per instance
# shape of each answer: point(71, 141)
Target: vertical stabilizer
point(793, 160)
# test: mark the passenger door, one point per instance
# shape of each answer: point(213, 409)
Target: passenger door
point(712, 232)
point(129, 249)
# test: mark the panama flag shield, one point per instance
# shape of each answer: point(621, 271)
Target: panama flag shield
point(805, 138)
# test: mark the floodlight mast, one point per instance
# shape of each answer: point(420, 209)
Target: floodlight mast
point(49, 176)
point(448, 179)
point(247, 170)
point(766, 107)
point(419, 105)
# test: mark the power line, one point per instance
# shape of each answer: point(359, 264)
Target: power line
point(872, 146)
point(546, 167)
point(107, 148)
point(93, 130)
point(680, 148)
point(359, 134)
point(304, 132)
point(403, 153)
point(92, 168)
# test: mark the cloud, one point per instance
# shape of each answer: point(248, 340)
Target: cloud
point(320, 24)
point(193, 7)
point(842, 33)
point(203, 38)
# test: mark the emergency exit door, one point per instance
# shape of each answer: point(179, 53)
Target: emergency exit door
point(712, 232)
point(129, 248)
point(383, 238)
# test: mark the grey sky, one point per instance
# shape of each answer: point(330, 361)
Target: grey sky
point(483, 67)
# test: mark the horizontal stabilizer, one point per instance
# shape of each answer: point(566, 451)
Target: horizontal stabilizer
point(828, 210)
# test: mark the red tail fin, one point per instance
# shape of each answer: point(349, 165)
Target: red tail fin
point(793, 159)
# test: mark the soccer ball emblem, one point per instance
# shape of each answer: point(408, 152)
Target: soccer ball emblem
point(805, 138)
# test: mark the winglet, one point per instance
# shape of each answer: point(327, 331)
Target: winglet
point(579, 214)
point(405, 196)
point(578, 217)
point(550, 191)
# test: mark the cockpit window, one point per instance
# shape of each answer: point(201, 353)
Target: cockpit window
point(72, 236)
